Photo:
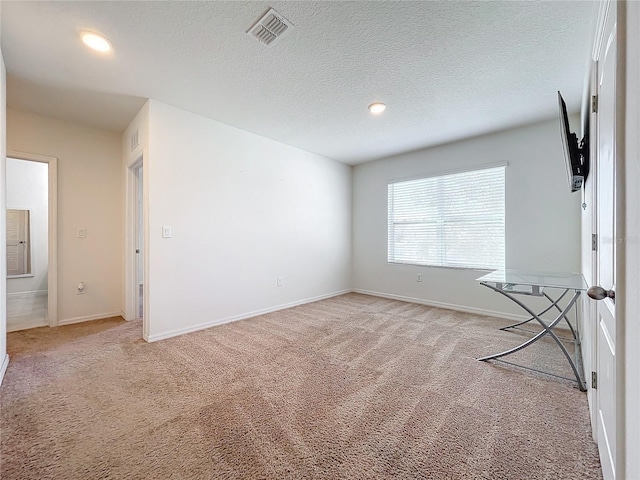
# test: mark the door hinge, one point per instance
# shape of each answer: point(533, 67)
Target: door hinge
point(594, 103)
point(594, 380)
point(594, 242)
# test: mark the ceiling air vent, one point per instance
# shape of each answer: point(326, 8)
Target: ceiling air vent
point(271, 27)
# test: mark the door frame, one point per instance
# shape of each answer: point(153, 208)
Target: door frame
point(131, 293)
point(589, 255)
point(52, 240)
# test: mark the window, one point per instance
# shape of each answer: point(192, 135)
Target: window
point(449, 221)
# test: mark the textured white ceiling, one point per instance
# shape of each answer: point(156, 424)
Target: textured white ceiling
point(446, 70)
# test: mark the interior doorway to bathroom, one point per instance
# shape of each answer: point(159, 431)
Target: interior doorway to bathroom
point(31, 241)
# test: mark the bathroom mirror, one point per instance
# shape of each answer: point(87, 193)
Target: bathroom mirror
point(18, 243)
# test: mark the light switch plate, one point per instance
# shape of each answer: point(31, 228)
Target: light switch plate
point(166, 232)
point(82, 233)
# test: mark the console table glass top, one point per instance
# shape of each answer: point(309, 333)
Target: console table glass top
point(572, 281)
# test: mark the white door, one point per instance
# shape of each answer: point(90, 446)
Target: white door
point(605, 271)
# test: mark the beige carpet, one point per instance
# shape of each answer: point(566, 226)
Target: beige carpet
point(353, 387)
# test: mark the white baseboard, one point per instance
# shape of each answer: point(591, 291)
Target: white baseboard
point(448, 306)
point(123, 314)
point(99, 316)
point(243, 316)
point(3, 368)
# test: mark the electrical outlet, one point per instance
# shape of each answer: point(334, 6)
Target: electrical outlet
point(80, 288)
point(419, 278)
point(279, 281)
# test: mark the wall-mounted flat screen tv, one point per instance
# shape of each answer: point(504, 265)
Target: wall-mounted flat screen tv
point(576, 153)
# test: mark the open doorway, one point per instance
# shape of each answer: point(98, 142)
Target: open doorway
point(139, 258)
point(31, 241)
point(136, 288)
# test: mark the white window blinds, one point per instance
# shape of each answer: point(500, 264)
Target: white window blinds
point(449, 221)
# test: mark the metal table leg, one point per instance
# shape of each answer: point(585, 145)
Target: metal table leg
point(547, 330)
point(554, 303)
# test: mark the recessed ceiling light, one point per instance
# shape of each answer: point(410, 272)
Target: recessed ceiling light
point(377, 108)
point(96, 42)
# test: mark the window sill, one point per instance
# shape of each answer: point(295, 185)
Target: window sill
point(448, 267)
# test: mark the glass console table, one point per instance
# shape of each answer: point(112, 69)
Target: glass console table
point(517, 283)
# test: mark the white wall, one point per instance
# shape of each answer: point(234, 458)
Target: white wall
point(89, 196)
point(27, 189)
point(542, 217)
point(244, 210)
